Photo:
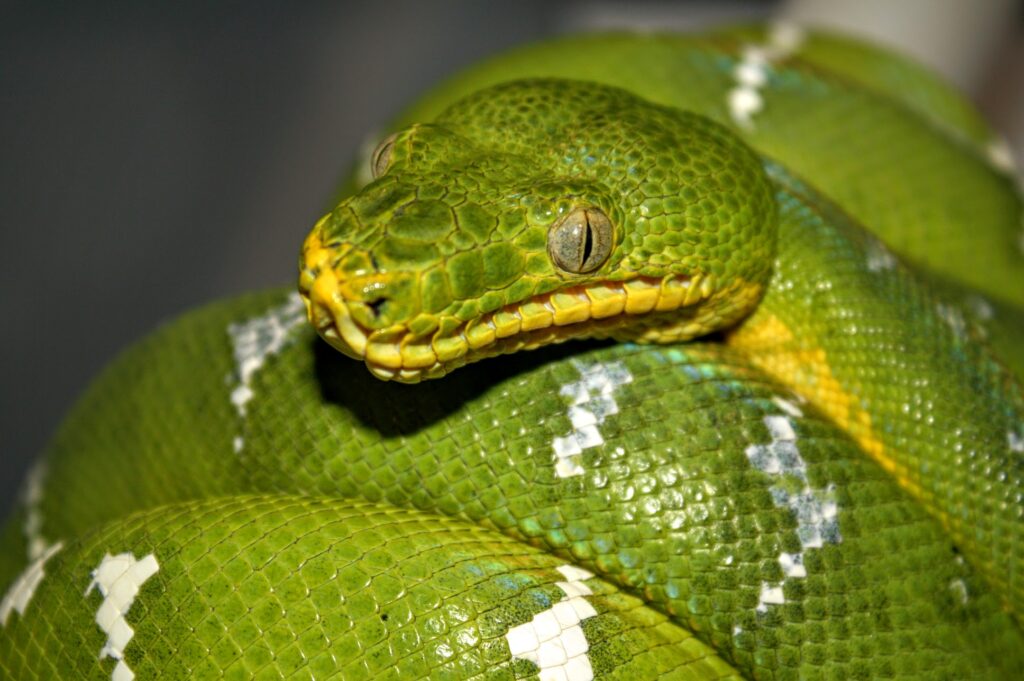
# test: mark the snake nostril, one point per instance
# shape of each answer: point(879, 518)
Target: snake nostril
point(376, 304)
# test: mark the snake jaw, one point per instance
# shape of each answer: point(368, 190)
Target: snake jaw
point(645, 309)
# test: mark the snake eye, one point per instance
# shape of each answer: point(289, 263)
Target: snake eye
point(581, 241)
point(381, 158)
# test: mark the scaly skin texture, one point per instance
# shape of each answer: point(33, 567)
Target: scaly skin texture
point(445, 259)
point(828, 488)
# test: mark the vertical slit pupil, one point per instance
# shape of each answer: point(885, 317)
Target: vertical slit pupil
point(588, 242)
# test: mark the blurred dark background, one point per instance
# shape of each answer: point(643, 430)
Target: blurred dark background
point(158, 155)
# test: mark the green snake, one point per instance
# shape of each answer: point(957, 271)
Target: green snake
point(824, 483)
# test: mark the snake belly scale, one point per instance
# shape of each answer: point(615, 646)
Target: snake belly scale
point(828, 486)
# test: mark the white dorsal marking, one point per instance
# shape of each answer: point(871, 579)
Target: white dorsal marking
point(118, 579)
point(554, 640)
point(745, 99)
point(593, 400)
point(817, 514)
point(24, 587)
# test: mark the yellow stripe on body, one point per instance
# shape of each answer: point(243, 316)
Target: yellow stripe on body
point(802, 366)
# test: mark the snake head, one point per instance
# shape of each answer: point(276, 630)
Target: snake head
point(533, 212)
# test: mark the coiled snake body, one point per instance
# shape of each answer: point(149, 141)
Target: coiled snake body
point(828, 487)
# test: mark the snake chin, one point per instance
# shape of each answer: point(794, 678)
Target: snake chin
point(643, 309)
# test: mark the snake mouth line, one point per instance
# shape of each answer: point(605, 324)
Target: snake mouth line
point(596, 310)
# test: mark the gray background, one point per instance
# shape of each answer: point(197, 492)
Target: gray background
point(155, 156)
